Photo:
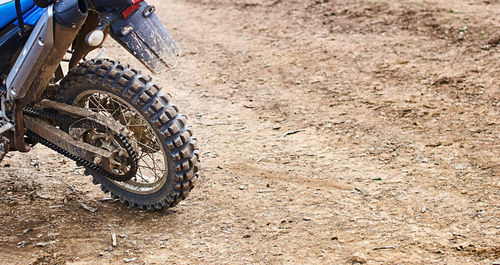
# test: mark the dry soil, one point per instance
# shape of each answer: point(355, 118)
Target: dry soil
point(331, 132)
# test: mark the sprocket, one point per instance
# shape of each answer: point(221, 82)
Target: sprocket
point(123, 150)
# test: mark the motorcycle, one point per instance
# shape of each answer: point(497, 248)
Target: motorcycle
point(106, 116)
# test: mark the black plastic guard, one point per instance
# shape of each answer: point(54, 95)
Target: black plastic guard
point(110, 4)
point(143, 35)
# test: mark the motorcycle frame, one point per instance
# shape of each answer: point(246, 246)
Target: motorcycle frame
point(71, 21)
point(40, 57)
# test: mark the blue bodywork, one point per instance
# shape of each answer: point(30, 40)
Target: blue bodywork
point(31, 13)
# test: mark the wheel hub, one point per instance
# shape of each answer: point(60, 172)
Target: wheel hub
point(120, 160)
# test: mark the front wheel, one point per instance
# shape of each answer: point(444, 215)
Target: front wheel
point(166, 151)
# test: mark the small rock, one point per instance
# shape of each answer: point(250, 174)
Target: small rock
point(485, 47)
point(306, 219)
point(21, 244)
point(88, 208)
point(424, 209)
point(127, 260)
point(276, 126)
point(113, 240)
point(43, 196)
point(44, 244)
point(242, 187)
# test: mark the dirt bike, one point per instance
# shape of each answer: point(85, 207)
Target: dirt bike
point(103, 114)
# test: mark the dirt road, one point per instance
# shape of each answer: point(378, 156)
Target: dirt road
point(331, 132)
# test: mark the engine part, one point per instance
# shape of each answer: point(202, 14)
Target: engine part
point(40, 57)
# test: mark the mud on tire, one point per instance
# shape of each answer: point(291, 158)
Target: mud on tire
point(173, 134)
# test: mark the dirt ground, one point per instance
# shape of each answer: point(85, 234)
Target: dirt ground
point(331, 132)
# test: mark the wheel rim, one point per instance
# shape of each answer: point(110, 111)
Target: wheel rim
point(152, 168)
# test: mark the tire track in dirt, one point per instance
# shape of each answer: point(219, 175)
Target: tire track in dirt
point(358, 176)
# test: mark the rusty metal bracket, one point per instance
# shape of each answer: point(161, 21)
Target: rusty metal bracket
point(98, 118)
point(82, 126)
point(19, 143)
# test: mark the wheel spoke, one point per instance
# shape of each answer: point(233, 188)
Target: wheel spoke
point(154, 164)
point(98, 101)
point(151, 166)
point(139, 143)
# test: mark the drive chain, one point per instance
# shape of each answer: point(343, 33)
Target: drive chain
point(79, 161)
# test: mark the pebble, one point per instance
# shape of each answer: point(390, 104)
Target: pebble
point(485, 47)
point(88, 208)
point(242, 187)
point(127, 260)
point(113, 240)
point(44, 244)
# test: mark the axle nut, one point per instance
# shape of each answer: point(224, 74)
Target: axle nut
point(97, 160)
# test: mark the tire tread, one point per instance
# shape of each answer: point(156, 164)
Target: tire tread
point(163, 115)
